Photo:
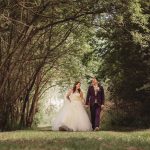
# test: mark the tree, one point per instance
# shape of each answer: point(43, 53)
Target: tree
point(34, 39)
point(122, 45)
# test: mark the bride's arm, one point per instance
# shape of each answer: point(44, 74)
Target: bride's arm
point(68, 94)
point(82, 98)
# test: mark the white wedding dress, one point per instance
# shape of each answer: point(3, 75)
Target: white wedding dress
point(73, 115)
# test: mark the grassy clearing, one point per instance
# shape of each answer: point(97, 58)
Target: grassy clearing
point(49, 140)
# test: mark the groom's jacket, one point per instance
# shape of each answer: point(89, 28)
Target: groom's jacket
point(91, 97)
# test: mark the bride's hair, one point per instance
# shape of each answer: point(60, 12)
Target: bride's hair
point(74, 87)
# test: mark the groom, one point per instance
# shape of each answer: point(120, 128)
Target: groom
point(95, 98)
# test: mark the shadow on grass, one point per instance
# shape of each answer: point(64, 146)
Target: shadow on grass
point(124, 129)
point(115, 129)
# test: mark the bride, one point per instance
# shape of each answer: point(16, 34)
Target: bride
point(72, 116)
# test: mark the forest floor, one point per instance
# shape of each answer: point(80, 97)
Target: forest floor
point(50, 140)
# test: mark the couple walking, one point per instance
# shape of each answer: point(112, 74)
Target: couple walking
point(73, 116)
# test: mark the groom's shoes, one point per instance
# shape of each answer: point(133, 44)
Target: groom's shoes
point(96, 129)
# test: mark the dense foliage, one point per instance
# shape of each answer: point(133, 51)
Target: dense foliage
point(123, 47)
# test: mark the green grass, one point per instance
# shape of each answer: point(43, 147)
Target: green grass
point(50, 140)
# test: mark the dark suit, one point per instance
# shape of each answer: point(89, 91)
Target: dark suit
point(95, 102)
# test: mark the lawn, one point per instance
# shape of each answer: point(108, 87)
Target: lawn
point(50, 140)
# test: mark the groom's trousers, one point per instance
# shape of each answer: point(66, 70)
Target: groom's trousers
point(95, 115)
